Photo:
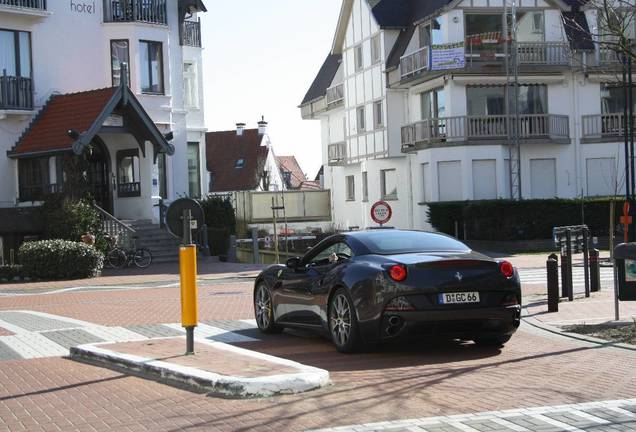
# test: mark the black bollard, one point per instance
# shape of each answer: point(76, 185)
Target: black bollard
point(552, 266)
point(564, 274)
point(568, 253)
point(595, 271)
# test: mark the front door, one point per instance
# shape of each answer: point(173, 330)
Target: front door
point(98, 176)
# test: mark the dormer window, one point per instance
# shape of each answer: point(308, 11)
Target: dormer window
point(240, 163)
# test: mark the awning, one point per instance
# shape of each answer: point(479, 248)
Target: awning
point(69, 122)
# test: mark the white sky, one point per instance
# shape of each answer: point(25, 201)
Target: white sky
point(259, 58)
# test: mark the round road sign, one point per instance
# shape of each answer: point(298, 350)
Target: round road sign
point(381, 212)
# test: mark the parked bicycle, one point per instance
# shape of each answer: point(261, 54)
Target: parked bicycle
point(118, 257)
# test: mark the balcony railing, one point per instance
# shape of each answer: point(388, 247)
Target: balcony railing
point(147, 11)
point(16, 93)
point(26, 4)
point(337, 153)
point(412, 64)
point(127, 190)
point(191, 33)
point(335, 94)
point(463, 128)
point(604, 125)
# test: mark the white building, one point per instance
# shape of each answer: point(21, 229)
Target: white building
point(411, 103)
point(140, 142)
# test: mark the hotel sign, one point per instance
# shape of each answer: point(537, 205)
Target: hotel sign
point(448, 56)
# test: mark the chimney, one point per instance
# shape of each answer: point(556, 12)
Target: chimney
point(240, 127)
point(262, 126)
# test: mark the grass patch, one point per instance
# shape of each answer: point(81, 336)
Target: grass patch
point(623, 333)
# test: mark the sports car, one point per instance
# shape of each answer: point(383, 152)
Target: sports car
point(379, 285)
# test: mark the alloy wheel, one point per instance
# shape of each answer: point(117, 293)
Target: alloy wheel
point(263, 307)
point(340, 319)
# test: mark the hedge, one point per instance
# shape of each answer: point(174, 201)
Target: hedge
point(221, 222)
point(59, 260)
point(10, 272)
point(520, 220)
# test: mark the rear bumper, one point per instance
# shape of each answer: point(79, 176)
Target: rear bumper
point(465, 323)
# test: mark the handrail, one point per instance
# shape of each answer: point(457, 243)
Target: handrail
point(413, 63)
point(115, 228)
point(335, 94)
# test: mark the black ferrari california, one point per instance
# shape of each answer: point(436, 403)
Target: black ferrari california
point(377, 285)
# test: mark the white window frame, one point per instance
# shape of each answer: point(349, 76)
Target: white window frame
point(350, 188)
point(386, 196)
point(358, 57)
point(361, 119)
point(190, 103)
point(376, 49)
point(378, 115)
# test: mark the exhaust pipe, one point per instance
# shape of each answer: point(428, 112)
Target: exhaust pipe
point(395, 324)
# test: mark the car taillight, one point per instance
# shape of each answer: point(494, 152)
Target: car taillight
point(510, 300)
point(506, 269)
point(399, 304)
point(397, 272)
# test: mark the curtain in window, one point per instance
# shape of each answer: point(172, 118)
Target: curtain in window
point(7, 53)
point(25, 54)
point(119, 55)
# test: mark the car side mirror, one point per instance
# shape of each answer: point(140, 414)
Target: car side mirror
point(293, 263)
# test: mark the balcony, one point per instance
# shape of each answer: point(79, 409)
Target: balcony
point(191, 33)
point(24, 7)
point(145, 11)
point(604, 127)
point(481, 50)
point(16, 93)
point(337, 153)
point(461, 129)
point(335, 95)
point(128, 190)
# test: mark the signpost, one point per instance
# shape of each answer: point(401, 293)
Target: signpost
point(381, 212)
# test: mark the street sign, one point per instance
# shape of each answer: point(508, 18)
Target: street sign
point(381, 212)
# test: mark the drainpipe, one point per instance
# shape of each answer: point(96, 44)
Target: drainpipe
point(575, 135)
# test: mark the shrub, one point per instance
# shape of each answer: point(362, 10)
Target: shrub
point(60, 259)
point(10, 272)
point(520, 220)
point(67, 219)
point(221, 222)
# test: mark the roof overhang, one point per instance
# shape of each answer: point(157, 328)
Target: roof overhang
point(341, 29)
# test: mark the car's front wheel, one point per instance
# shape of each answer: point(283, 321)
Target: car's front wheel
point(343, 322)
point(264, 311)
point(492, 341)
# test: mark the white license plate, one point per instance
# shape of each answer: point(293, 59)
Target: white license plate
point(459, 298)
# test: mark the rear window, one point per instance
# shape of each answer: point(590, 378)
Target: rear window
point(400, 242)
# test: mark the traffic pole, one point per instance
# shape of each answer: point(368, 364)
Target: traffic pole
point(188, 276)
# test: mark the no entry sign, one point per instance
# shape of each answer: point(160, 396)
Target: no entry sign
point(381, 212)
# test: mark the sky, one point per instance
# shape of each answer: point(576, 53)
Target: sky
point(259, 59)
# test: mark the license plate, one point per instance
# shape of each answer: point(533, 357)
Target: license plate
point(459, 298)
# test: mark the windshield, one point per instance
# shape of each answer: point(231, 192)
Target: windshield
point(401, 242)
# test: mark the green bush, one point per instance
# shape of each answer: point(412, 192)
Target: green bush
point(10, 272)
point(67, 219)
point(221, 222)
point(520, 220)
point(60, 259)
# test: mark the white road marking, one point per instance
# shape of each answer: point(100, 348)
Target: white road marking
point(33, 345)
point(115, 334)
point(589, 417)
point(508, 424)
point(556, 423)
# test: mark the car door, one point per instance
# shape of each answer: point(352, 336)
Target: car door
point(303, 287)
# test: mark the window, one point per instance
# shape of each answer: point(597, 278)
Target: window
point(240, 163)
point(449, 180)
point(151, 67)
point(358, 58)
point(490, 100)
point(378, 115)
point(537, 22)
point(388, 184)
point(365, 187)
point(424, 35)
point(15, 53)
point(194, 170)
point(119, 53)
point(543, 178)
point(360, 119)
point(33, 178)
point(389, 242)
point(425, 181)
point(613, 99)
point(190, 90)
point(375, 49)
point(484, 179)
point(433, 104)
point(128, 174)
point(351, 188)
point(341, 249)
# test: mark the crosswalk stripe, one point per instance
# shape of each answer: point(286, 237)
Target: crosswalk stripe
point(115, 334)
point(564, 426)
point(34, 345)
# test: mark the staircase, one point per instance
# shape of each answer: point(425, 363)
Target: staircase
point(163, 246)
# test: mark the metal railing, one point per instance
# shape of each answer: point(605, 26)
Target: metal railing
point(412, 64)
point(127, 190)
point(116, 229)
point(16, 92)
point(148, 11)
point(529, 53)
point(191, 33)
point(604, 125)
point(608, 56)
point(485, 127)
point(337, 153)
point(27, 4)
point(335, 94)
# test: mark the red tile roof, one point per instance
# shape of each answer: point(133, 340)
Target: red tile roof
point(224, 148)
point(290, 164)
point(48, 130)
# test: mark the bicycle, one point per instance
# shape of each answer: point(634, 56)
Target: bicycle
point(118, 257)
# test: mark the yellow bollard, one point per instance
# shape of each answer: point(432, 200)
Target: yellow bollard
point(189, 309)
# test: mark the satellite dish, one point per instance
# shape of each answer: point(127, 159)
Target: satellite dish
point(174, 216)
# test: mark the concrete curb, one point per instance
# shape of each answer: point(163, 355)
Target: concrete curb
point(196, 380)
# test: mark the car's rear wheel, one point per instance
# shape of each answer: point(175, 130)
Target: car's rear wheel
point(492, 341)
point(343, 322)
point(264, 311)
